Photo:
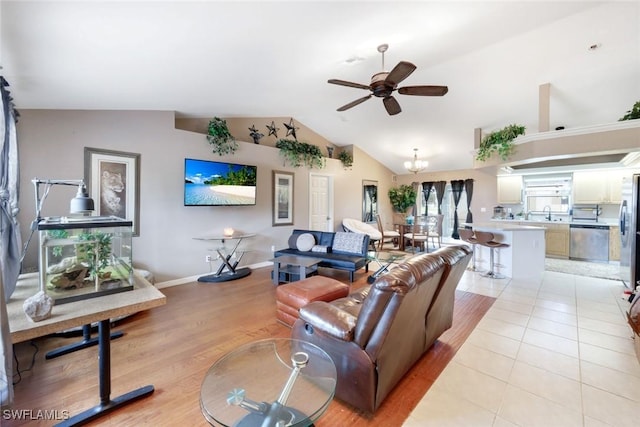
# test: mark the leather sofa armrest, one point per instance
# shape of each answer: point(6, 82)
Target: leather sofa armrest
point(326, 318)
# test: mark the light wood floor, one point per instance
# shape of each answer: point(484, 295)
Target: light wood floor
point(172, 347)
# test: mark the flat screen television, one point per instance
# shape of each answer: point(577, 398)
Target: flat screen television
point(209, 183)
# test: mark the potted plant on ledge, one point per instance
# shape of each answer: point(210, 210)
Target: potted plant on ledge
point(220, 138)
point(500, 141)
point(300, 153)
point(346, 158)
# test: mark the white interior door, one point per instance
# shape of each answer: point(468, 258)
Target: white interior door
point(321, 202)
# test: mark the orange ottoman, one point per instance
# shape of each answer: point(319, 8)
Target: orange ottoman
point(292, 296)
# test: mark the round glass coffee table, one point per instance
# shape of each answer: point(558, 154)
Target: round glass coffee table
point(275, 382)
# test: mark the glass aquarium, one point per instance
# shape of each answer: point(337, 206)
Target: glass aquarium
point(84, 257)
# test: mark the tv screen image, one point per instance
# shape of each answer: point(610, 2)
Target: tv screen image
point(209, 183)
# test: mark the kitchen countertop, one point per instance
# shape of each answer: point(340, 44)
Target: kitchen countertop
point(610, 223)
point(503, 226)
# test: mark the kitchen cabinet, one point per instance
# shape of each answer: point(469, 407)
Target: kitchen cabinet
point(597, 187)
point(614, 183)
point(510, 189)
point(556, 238)
point(614, 243)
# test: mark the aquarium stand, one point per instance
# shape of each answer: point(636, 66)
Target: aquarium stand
point(107, 404)
point(87, 341)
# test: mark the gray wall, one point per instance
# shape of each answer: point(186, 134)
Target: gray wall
point(51, 145)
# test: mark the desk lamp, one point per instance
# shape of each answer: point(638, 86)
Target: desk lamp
point(80, 204)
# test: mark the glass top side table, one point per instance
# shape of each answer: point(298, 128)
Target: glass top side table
point(273, 382)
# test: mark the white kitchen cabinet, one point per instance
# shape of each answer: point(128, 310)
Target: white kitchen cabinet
point(597, 187)
point(510, 189)
point(614, 181)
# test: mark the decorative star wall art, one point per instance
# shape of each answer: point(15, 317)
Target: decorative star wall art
point(273, 130)
point(255, 134)
point(291, 129)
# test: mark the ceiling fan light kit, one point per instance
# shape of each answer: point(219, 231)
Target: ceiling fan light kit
point(384, 83)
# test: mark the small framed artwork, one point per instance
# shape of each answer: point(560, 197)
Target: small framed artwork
point(113, 181)
point(282, 198)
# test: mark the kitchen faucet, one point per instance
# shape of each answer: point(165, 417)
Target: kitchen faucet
point(544, 209)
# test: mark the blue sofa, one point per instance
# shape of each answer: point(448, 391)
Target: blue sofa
point(339, 250)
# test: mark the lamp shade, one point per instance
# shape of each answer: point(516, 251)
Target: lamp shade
point(82, 203)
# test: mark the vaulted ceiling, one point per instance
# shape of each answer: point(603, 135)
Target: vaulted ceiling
point(273, 58)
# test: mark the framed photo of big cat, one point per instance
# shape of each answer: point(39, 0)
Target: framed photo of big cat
point(113, 181)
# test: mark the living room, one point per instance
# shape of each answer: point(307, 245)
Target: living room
point(53, 137)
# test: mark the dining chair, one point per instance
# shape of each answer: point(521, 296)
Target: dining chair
point(435, 229)
point(419, 234)
point(387, 235)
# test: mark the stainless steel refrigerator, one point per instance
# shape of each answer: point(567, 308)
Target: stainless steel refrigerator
point(630, 231)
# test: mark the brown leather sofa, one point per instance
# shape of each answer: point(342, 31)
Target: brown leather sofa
point(378, 332)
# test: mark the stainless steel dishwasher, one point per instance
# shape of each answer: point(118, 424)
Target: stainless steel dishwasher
point(589, 242)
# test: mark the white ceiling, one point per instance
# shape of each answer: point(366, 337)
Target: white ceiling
point(269, 58)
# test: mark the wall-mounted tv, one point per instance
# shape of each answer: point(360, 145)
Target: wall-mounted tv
point(209, 183)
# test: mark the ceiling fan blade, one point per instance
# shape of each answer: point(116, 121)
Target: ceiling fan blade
point(400, 72)
point(423, 90)
point(346, 83)
point(354, 103)
point(391, 105)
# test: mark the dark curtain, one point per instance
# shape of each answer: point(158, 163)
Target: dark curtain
point(9, 234)
point(426, 190)
point(416, 188)
point(440, 186)
point(468, 188)
point(456, 190)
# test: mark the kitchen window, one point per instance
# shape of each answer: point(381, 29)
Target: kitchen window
point(547, 192)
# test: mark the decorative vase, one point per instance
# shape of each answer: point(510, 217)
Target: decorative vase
point(330, 151)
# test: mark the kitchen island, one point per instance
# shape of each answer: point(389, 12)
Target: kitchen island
point(523, 259)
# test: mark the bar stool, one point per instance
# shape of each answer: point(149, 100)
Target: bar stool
point(485, 239)
point(467, 235)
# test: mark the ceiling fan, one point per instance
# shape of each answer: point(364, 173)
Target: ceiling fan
point(384, 83)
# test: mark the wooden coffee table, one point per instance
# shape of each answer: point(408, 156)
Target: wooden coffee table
point(295, 267)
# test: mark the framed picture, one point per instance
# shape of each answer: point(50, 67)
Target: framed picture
point(113, 181)
point(282, 198)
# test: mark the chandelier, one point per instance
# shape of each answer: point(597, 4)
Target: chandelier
point(415, 165)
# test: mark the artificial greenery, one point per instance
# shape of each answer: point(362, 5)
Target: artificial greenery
point(85, 251)
point(634, 113)
point(500, 141)
point(220, 138)
point(346, 158)
point(300, 153)
point(402, 197)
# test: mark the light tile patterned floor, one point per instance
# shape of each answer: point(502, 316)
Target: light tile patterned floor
point(553, 353)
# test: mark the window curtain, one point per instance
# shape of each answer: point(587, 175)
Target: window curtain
point(426, 190)
point(468, 188)
point(456, 190)
point(9, 234)
point(416, 188)
point(440, 187)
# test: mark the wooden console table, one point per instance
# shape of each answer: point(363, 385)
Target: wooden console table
point(99, 309)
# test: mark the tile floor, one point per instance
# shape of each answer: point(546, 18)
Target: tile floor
point(557, 352)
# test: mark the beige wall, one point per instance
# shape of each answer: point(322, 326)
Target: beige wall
point(51, 144)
